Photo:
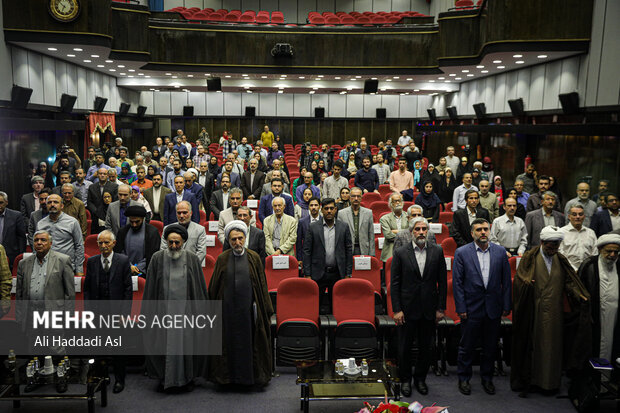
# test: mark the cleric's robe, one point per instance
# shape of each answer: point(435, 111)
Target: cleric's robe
point(227, 368)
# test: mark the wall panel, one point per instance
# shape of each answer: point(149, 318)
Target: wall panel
point(609, 81)
point(199, 102)
point(285, 104)
point(537, 87)
point(408, 106)
point(320, 101)
point(363, 5)
point(355, 106)
point(147, 99)
point(35, 69)
point(337, 106)
point(49, 81)
point(391, 104)
point(161, 103)
point(230, 4)
point(249, 99)
point(552, 85)
point(345, 6)
point(381, 5)
point(232, 104)
point(301, 105)
point(570, 73)
point(371, 103)
point(267, 104)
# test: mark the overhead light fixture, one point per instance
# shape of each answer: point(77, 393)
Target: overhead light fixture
point(431, 81)
point(480, 67)
point(497, 61)
point(470, 75)
point(94, 55)
point(130, 76)
point(147, 76)
point(542, 56)
point(112, 70)
point(142, 74)
point(315, 88)
point(358, 77)
point(52, 49)
point(167, 74)
point(263, 77)
point(70, 55)
point(501, 67)
point(465, 71)
point(243, 75)
point(349, 88)
point(190, 75)
point(122, 74)
point(343, 92)
point(218, 91)
point(317, 76)
point(311, 92)
point(177, 86)
point(337, 78)
point(520, 62)
point(302, 77)
point(174, 77)
point(248, 91)
point(447, 81)
point(120, 66)
point(227, 76)
point(409, 79)
point(457, 78)
point(416, 90)
point(452, 74)
point(87, 61)
point(109, 61)
point(373, 78)
point(517, 56)
point(484, 71)
point(441, 78)
point(280, 91)
point(383, 89)
point(77, 49)
point(396, 77)
point(388, 80)
point(132, 70)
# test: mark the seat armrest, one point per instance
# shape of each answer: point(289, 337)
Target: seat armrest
point(384, 321)
point(446, 321)
point(273, 322)
point(327, 321)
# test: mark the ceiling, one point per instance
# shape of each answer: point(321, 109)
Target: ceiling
point(130, 75)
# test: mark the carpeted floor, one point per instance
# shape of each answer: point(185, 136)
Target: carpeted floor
point(282, 395)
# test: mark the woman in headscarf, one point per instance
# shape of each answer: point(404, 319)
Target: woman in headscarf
point(512, 193)
point(429, 201)
point(137, 196)
point(316, 156)
point(301, 209)
point(98, 222)
point(298, 181)
point(214, 168)
point(487, 168)
point(150, 171)
point(351, 165)
point(316, 175)
point(498, 188)
point(44, 172)
point(126, 175)
point(321, 165)
point(189, 163)
point(447, 185)
point(262, 164)
point(417, 173)
point(464, 167)
point(156, 155)
point(555, 188)
point(443, 164)
point(344, 201)
point(430, 174)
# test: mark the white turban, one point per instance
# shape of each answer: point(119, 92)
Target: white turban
point(237, 225)
point(551, 233)
point(194, 171)
point(608, 239)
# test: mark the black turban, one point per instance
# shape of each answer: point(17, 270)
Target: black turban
point(177, 229)
point(135, 211)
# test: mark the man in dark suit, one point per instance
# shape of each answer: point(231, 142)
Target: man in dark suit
point(96, 190)
point(460, 229)
point(159, 146)
point(252, 181)
point(172, 199)
point(235, 179)
point(137, 240)
point(207, 181)
point(219, 198)
point(12, 230)
point(314, 209)
point(190, 184)
point(536, 220)
point(601, 222)
point(482, 295)
point(418, 294)
point(155, 196)
point(108, 277)
point(30, 201)
point(328, 251)
point(256, 237)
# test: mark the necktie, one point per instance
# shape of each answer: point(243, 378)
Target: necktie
point(106, 265)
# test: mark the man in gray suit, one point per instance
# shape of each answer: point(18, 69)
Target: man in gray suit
point(197, 236)
point(360, 224)
point(155, 196)
point(28, 203)
point(328, 254)
point(235, 200)
point(404, 237)
point(393, 223)
point(537, 219)
point(115, 219)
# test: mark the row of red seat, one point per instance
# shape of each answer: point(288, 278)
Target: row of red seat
point(232, 16)
point(352, 18)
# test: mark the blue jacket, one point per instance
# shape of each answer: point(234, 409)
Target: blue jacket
point(170, 203)
point(601, 223)
point(265, 208)
point(470, 295)
point(182, 150)
point(367, 180)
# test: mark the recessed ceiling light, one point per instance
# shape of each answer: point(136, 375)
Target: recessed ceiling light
point(248, 91)
point(280, 91)
point(227, 76)
point(343, 92)
point(130, 76)
point(484, 71)
point(243, 75)
point(373, 78)
point(317, 78)
point(70, 55)
point(177, 86)
point(470, 75)
point(132, 70)
point(465, 71)
point(416, 90)
point(441, 78)
point(147, 77)
point(388, 80)
point(122, 74)
point(431, 81)
point(520, 62)
point(457, 78)
point(358, 77)
point(409, 79)
point(109, 61)
point(349, 88)
point(52, 49)
point(207, 74)
point(112, 70)
point(120, 66)
point(452, 74)
point(497, 61)
point(263, 77)
point(311, 92)
point(383, 89)
point(517, 56)
point(501, 67)
point(174, 77)
point(100, 65)
point(142, 74)
point(246, 87)
point(77, 49)
point(402, 94)
point(480, 67)
point(190, 75)
point(156, 90)
point(94, 55)
point(281, 87)
point(315, 88)
point(87, 61)
point(447, 81)
point(302, 77)
point(396, 77)
point(337, 78)
point(218, 91)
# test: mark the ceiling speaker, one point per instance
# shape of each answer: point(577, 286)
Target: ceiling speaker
point(20, 96)
point(480, 109)
point(250, 111)
point(570, 102)
point(123, 110)
point(319, 112)
point(100, 104)
point(214, 84)
point(67, 102)
point(188, 111)
point(452, 112)
point(381, 113)
point(371, 86)
point(516, 107)
point(141, 111)
point(432, 115)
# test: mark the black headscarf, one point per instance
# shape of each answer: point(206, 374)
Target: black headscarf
point(427, 201)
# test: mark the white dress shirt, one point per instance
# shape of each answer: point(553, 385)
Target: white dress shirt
point(578, 245)
point(509, 234)
point(420, 256)
point(484, 259)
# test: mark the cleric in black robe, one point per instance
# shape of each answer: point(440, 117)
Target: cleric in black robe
point(174, 278)
point(239, 281)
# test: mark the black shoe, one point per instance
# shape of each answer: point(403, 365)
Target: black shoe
point(405, 389)
point(189, 387)
point(119, 386)
point(464, 387)
point(421, 387)
point(61, 387)
point(488, 386)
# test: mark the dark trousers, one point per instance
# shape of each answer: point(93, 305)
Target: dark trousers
point(157, 217)
point(330, 276)
point(424, 330)
point(119, 363)
point(357, 250)
point(472, 330)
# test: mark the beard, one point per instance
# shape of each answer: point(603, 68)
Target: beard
point(609, 262)
point(174, 254)
point(398, 210)
point(238, 250)
point(420, 242)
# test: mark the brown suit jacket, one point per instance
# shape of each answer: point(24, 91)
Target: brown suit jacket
point(76, 209)
point(148, 195)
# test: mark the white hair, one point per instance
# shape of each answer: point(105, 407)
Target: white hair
point(108, 233)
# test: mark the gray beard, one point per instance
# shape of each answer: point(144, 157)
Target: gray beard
point(608, 263)
point(175, 255)
point(420, 242)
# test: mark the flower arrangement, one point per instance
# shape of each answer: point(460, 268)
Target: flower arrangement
point(402, 407)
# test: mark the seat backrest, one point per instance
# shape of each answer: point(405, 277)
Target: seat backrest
point(445, 233)
point(90, 245)
point(388, 299)
point(298, 298)
point(370, 197)
point(353, 299)
point(16, 263)
point(513, 266)
point(445, 217)
point(262, 18)
point(246, 18)
point(275, 276)
point(379, 208)
point(159, 225)
point(449, 247)
point(207, 270)
point(136, 303)
point(388, 271)
point(231, 17)
point(450, 305)
point(373, 275)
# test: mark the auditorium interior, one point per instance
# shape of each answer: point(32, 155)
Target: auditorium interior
point(517, 81)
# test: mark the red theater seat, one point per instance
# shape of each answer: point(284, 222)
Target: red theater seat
point(90, 245)
point(159, 225)
point(449, 247)
point(207, 270)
